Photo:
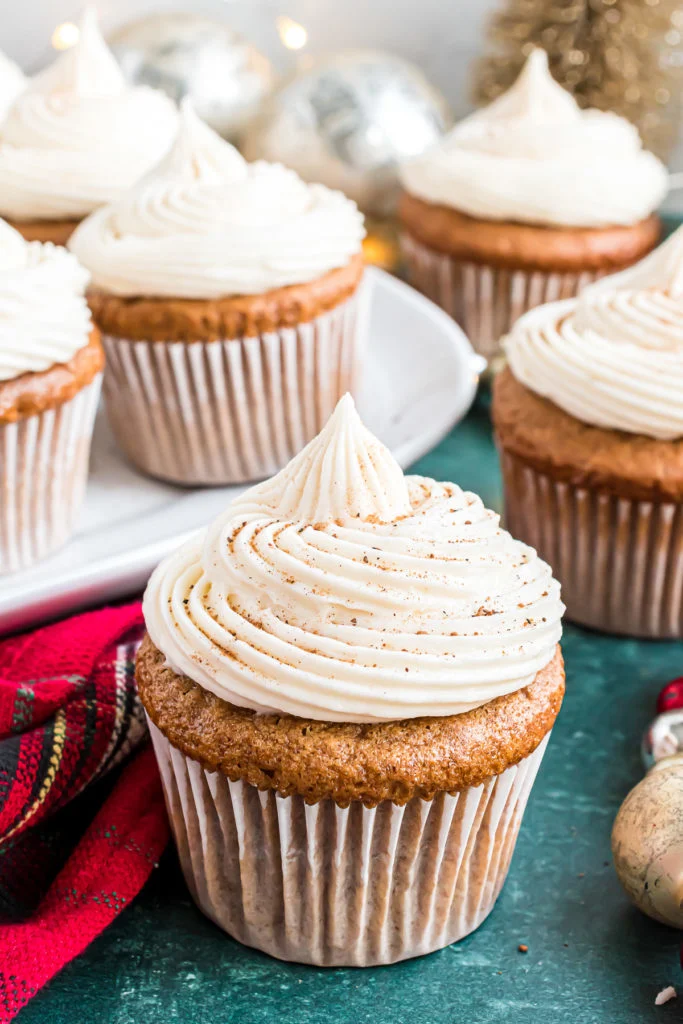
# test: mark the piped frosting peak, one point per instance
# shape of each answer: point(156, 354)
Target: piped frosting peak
point(535, 157)
point(88, 68)
point(535, 96)
point(660, 271)
point(343, 591)
point(343, 474)
point(205, 223)
point(199, 154)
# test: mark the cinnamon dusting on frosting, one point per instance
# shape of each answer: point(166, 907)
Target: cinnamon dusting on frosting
point(321, 621)
point(613, 358)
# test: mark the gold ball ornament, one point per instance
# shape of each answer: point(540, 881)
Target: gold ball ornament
point(381, 246)
point(226, 78)
point(348, 122)
point(647, 842)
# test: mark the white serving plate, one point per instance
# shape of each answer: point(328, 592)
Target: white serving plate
point(419, 380)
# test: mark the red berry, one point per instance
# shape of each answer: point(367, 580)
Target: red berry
point(671, 696)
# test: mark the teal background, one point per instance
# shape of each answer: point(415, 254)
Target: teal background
point(591, 958)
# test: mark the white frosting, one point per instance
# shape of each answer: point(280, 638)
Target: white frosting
point(12, 83)
point(205, 223)
point(343, 591)
point(79, 136)
point(44, 318)
point(614, 357)
point(533, 156)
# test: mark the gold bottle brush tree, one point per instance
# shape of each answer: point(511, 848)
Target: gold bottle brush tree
point(619, 55)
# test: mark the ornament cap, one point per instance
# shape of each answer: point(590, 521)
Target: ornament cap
point(663, 737)
point(671, 696)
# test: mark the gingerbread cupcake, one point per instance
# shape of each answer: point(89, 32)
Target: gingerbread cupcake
point(228, 295)
point(77, 137)
point(350, 680)
point(525, 202)
point(50, 373)
point(589, 419)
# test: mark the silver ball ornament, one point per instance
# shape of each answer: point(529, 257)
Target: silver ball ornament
point(226, 78)
point(348, 122)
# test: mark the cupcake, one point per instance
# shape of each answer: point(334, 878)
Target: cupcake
point(50, 373)
point(12, 83)
point(589, 420)
point(350, 680)
point(77, 138)
point(525, 202)
point(229, 302)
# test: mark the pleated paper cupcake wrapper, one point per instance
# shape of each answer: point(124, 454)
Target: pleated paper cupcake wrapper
point(43, 472)
point(356, 886)
point(223, 412)
point(620, 561)
point(485, 300)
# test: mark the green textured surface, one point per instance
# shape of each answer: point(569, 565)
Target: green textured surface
point(592, 958)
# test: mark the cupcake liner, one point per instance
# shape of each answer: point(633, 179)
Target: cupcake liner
point(43, 472)
point(353, 886)
point(619, 560)
point(485, 300)
point(222, 412)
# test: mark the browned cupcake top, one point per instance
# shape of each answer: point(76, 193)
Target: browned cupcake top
point(57, 231)
point(238, 316)
point(526, 246)
point(349, 762)
point(33, 393)
point(556, 443)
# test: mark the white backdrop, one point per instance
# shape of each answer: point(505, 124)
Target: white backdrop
point(442, 36)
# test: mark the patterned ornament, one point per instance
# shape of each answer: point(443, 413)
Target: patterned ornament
point(348, 122)
point(647, 842)
point(187, 55)
point(647, 836)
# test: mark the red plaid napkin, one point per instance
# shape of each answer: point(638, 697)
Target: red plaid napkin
point(69, 713)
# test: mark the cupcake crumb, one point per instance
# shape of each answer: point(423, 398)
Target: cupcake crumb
point(665, 995)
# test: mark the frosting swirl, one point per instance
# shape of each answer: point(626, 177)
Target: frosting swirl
point(79, 136)
point(12, 83)
point(614, 357)
point(44, 318)
point(205, 223)
point(533, 156)
point(341, 590)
